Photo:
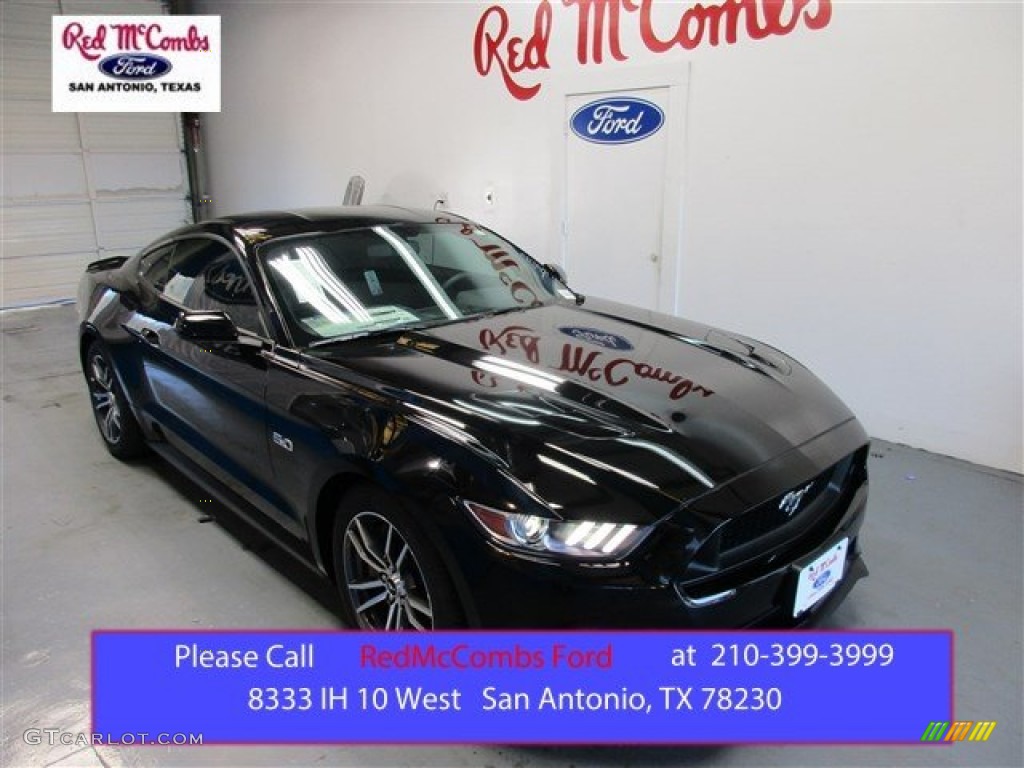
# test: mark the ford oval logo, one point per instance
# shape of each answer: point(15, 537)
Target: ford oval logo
point(135, 66)
point(617, 121)
point(597, 338)
point(822, 580)
point(227, 283)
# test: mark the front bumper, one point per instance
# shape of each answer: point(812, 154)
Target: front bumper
point(543, 596)
point(502, 590)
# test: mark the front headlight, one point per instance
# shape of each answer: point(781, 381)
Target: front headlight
point(582, 539)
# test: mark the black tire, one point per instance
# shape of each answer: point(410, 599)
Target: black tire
point(389, 575)
point(120, 431)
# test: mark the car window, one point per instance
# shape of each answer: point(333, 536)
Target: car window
point(155, 266)
point(206, 274)
point(400, 275)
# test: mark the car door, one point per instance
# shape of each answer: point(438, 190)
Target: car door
point(208, 398)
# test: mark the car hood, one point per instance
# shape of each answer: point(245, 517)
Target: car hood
point(602, 410)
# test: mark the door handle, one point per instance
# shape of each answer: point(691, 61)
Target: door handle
point(150, 336)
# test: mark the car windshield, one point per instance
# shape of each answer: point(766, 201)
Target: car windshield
point(398, 276)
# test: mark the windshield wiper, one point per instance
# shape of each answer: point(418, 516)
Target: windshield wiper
point(416, 325)
point(505, 311)
point(502, 311)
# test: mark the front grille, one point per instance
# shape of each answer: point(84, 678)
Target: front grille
point(771, 515)
point(764, 537)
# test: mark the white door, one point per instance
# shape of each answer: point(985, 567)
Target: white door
point(615, 193)
point(76, 187)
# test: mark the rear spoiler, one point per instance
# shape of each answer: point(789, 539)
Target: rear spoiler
point(112, 262)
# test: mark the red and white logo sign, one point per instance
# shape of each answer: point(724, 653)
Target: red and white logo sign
point(136, 63)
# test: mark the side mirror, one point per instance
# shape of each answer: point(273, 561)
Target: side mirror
point(558, 272)
point(206, 326)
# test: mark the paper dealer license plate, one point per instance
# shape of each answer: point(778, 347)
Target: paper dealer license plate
point(820, 576)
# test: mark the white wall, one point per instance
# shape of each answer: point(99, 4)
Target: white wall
point(851, 194)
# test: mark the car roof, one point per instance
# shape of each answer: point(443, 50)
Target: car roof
point(257, 227)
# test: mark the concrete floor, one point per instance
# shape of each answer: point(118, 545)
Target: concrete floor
point(89, 542)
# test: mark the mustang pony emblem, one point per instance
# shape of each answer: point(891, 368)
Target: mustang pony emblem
point(791, 501)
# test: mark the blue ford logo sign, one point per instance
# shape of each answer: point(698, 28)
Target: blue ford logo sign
point(597, 338)
point(822, 580)
point(617, 121)
point(135, 66)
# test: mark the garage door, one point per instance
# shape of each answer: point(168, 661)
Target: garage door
point(76, 187)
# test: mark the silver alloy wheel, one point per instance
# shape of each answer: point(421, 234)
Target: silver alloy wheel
point(104, 401)
point(383, 578)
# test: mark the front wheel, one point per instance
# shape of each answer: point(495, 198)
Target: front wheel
point(120, 431)
point(388, 574)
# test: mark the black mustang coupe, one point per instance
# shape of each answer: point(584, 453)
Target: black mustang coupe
point(441, 426)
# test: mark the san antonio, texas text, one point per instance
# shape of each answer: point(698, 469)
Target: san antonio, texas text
point(134, 87)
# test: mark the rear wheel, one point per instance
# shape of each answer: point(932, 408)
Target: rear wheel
point(120, 431)
point(389, 576)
